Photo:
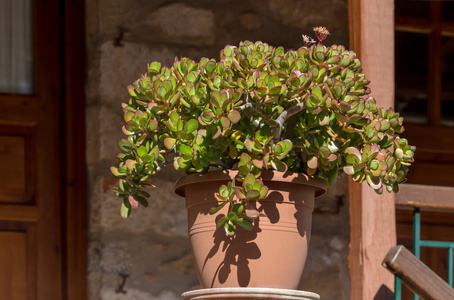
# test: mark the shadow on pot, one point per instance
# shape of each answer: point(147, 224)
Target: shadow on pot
point(238, 250)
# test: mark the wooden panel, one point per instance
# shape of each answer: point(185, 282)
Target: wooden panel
point(13, 265)
point(12, 176)
point(22, 213)
point(18, 161)
point(25, 106)
point(417, 275)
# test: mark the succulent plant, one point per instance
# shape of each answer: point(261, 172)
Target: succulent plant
point(260, 107)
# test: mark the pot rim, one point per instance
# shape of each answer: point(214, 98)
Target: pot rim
point(267, 175)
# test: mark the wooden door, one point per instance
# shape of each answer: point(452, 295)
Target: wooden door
point(425, 97)
point(42, 245)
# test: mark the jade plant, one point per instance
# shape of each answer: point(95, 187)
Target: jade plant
point(259, 108)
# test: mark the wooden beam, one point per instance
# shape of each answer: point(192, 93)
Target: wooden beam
point(416, 275)
point(372, 217)
point(426, 196)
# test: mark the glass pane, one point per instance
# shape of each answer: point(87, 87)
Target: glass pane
point(448, 10)
point(16, 51)
point(412, 8)
point(447, 84)
point(412, 89)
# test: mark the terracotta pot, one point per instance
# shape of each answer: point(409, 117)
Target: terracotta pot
point(273, 254)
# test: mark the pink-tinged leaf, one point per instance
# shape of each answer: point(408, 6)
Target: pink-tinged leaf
point(134, 203)
point(374, 182)
point(114, 171)
point(332, 157)
point(169, 143)
point(131, 91)
point(131, 126)
point(218, 133)
point(239, 193)
point(126, 132)
point(225, 122)
point(130, 164)
point(258, 163)
point(252, 212)
point(249, 145)
point(234, 116)
point(349, 170)
point(152, 125)
point(144, 136)
point(353, 151)
point(376, 124)
point(312, 163)
point(128, 116)
point(266, 161)
point(374, 148)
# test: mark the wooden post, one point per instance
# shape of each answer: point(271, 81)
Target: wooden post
point(372, 217)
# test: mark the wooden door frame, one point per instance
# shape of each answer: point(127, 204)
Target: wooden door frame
point(74, 190)
point(372, 217)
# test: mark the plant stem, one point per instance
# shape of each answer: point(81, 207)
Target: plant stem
point(284, 116)
point(251, 105)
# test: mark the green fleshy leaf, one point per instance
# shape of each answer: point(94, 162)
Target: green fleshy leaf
point(185, 149)
point(225, 122)
point(141, 151)
point(246, 224)
point(114, 171)
point(131, 126)
point(253, 194)
point(125, 146)
point(191, 126)
point(234, 116)
point(169, 143)
point(142, 200)
point(125, 211)
point(278, 165)
point(218, 208)
point(324, 151)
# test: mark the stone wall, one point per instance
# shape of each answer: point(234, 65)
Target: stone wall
point(147, 255)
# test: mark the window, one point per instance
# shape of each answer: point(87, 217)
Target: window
point(424, 72)
point(16, 51)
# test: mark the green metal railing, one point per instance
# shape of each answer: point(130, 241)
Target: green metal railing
point(417, 244)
